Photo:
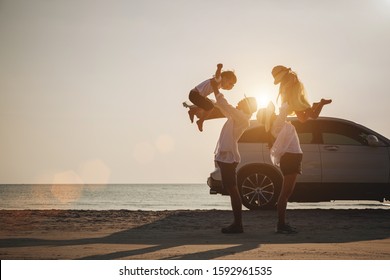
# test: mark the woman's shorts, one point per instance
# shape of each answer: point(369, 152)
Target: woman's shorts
point(228, 174)
point(200, 101)
point(291, 164)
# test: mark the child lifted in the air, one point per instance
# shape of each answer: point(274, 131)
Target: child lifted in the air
point(203, 107)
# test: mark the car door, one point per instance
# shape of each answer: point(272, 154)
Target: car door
point(346, 156)
point(311, 162)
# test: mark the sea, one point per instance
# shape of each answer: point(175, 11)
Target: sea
point(148, 197)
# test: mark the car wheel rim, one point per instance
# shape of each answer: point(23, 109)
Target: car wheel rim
point(258, 189)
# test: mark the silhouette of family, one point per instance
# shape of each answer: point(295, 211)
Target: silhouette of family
point(285, 152)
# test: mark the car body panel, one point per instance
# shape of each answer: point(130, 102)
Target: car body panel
point(354, 164)
point(311, 164)
point(338, 160)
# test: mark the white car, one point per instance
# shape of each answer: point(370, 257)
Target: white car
point(342, 160)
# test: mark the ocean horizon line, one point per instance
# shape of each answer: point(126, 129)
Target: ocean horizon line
point(137, 196)
point(100, 184)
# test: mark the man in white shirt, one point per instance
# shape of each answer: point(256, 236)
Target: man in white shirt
point(226, 153)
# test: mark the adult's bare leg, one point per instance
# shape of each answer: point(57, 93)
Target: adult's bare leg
point(236, 203)
point(235, 199)
point(285, 193)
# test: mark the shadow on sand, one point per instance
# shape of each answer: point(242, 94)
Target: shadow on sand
point(187, 228)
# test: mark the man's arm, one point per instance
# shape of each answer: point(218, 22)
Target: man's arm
point(227, 109)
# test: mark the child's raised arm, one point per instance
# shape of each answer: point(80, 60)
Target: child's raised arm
point(218, 72)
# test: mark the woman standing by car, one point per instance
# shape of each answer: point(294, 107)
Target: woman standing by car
point(286, 151)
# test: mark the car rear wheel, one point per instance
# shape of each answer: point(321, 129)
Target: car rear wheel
point(260, 188)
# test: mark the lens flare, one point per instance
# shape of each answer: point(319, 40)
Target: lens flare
point(67, 186)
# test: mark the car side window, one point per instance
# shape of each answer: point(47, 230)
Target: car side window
point(254, 135)
point(335, 133)
point(306, 132)
point(338, 139)
point(305, 138)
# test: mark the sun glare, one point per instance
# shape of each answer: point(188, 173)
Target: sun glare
point(262, 101)
point(263, 95)
point(263, 98)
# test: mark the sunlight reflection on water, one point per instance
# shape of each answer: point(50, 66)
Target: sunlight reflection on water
point(138, 197)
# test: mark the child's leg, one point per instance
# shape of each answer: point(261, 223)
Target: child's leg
point(317, 107)
point(199, 123)
point(214, 113)
point(195, 111)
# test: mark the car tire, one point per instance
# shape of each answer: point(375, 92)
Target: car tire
point(259, 187)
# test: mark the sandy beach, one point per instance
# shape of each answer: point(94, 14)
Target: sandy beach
point(185, 234)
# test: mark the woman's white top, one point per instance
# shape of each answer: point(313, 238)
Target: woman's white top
point(287, 140)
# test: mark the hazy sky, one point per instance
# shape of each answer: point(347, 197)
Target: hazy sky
point(91, 91)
